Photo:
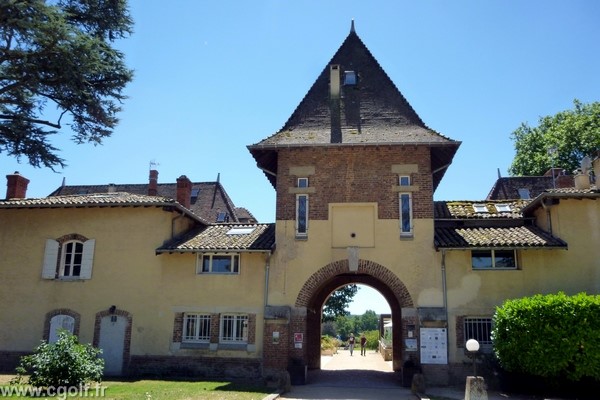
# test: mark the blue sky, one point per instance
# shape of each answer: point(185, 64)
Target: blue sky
point(212, 77)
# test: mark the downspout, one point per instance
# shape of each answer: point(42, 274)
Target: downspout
point(267, 267)
point(444, 288)
point(445, 298)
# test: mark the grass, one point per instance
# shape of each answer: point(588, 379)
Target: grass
point(167, 390)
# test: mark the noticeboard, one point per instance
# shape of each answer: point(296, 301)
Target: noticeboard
point(434, 346)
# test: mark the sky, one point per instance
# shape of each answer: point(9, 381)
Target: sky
point(212, 77)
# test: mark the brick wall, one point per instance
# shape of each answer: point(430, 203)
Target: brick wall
point(354, 174)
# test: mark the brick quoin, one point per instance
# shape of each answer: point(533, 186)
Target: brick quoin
point(354, 174)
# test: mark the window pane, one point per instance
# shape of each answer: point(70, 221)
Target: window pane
point(404, 181)
point(221, 264)
point(302, 213)
point(196, 328)
point(205, 263)
point(405, 212)
point(504, 259)
point(236, 264)
point(481, 259)
point(228, 327)
point(302, 182)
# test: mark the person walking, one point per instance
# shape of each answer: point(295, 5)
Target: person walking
point(363, 345)
point(351, 343)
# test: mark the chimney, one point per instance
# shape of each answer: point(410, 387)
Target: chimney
point(16, 186)
point(153, 185)
point(582, 181)
point(334, 81)
point(184, 191)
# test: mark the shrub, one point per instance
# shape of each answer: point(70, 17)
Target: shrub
point(65, 363)
point(329, 343)
point(550, 336)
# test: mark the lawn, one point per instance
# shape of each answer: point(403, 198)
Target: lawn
point(164, 390)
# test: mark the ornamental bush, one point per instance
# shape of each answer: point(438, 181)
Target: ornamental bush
point(549, 336)
point(65, 363)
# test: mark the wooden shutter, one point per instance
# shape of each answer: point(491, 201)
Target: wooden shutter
point(87, 259)
point(50, 259)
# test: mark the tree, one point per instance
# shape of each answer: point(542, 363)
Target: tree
point(338, 301)
point(65, 363)
point(58, 53)
point(573, 134)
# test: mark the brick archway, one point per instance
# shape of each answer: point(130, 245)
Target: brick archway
point(319, 286)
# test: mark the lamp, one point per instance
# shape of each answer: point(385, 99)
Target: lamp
point(473, 348)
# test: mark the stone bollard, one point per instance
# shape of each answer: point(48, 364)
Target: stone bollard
point(475, 389)
point(418, 384)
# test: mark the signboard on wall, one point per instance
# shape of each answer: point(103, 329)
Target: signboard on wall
point(434, 346)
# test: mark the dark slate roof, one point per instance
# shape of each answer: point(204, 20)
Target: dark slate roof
point(372, 112)
point(495, 237)
point(113, 199)
point(211, 198)
point(254, 237)
point(508, 188)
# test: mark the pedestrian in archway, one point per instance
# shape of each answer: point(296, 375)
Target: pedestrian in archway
point(351, 343)
point(363, 345)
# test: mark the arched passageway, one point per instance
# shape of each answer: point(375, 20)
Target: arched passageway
point(318, 287)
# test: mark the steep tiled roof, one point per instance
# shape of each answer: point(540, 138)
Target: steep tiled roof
point(495, 237)
point(592, 192)
point(370, 112)
point(211, 198)
point(497, 224)
point(466, 209)
point(225, 237)
point(113, 199)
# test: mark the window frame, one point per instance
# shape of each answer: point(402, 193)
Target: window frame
point(53, 265)
point(493, 258)
point(202, 322)
point(301, 224)
point(71, 259)
point(236, 329)
point(476, 328)
point(405, 198)
point(235, 263)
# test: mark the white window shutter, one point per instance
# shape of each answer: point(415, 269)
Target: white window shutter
point(50, 259)
point(87, 259)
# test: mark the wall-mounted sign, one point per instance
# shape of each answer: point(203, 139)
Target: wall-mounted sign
point(275, 337)
point(434, 346)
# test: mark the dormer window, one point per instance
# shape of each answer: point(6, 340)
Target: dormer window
point(503, 208)
point(524, 194)
point(480, 208)
point(349, 78)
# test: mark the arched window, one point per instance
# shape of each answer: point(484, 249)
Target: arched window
point(68, 257)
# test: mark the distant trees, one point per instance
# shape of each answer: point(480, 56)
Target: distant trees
point(560, 140)
point(338, 302)
point(344, 325)
point(57, 67)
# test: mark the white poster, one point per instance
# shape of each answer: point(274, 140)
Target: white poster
point(434, 346)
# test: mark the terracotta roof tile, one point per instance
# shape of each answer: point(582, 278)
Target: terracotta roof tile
point(225, 237)
point(467, 209)
point(496, 237)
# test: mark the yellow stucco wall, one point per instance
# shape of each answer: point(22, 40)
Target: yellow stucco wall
point(126, 273)
point(412, 260)
point(540, 271)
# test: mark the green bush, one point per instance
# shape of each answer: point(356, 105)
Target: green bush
point(329, 343)
point(65, 363)
point(550, 336)
point(372, 339)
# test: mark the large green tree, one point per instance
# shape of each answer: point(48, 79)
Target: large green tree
point(338, 302)
point(58, 67)
point(560, 141)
